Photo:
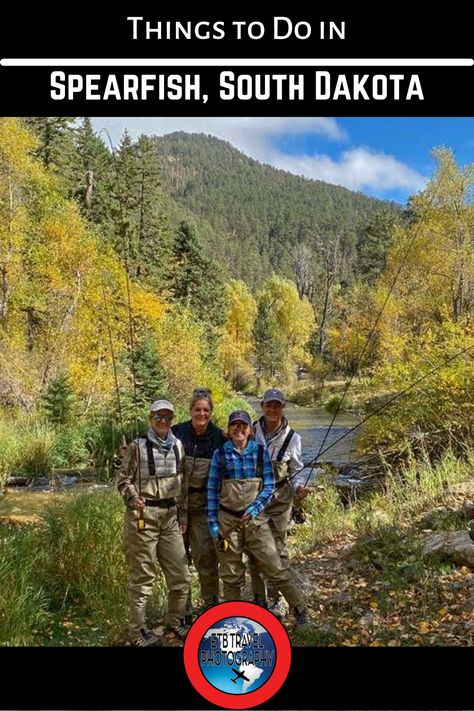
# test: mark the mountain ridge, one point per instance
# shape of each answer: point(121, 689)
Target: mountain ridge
point(268, 211)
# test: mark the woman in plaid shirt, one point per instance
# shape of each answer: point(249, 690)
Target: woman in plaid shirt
point(241, 483)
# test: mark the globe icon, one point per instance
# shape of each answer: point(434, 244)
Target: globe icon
point(237, 655)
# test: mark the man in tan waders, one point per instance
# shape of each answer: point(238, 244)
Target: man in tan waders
point(241, 483)
point(284, 448)
point(150, 482)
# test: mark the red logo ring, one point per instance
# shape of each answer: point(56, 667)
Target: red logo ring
point(251, 612)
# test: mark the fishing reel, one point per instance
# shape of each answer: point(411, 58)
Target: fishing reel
point(298, 515)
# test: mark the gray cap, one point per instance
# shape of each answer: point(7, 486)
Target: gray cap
point(161, 405)
point(274, 394)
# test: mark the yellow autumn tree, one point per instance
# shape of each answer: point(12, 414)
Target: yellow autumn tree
point(427, 319)
point(283, 328)
point(236, 343)
point(63, 295)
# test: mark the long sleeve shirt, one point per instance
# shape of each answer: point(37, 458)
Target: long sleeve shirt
point(292, 458)
point(239, 465)
point(199, 445)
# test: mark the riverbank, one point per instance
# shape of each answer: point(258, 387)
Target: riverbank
point(369, 570)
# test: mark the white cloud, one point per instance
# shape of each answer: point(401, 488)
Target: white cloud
point(357, 169)
point(250, 135)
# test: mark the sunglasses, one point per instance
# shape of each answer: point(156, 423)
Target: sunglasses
point(160, 418)
point(239, 426)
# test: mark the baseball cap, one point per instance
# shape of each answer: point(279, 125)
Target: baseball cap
point(239, 416)
point(274, 394)
point(161, 405)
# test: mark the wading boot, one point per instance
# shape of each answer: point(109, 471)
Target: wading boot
point(146, 638)
point(279, 608)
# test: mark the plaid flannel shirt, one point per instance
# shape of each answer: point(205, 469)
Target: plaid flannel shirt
point(240, 465)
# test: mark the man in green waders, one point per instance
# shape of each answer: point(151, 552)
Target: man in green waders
point(284, 448)
point(151, 484)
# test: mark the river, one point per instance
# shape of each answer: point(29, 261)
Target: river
point(311, 423)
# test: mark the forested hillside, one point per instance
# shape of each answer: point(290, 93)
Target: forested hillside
point(262, 218)
point(167, 263)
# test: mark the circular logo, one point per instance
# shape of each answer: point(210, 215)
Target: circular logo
point(237, 655)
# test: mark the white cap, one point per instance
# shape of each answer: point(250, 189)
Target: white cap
point(161, 405)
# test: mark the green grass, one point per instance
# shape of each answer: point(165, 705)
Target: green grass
point(67, 573)
point(64, 581)
point(325, 520)
point(24, 610)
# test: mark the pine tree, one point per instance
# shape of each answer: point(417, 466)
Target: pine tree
point(58, 399)
point(154, 236)
point(195, 280)
point(373, 243)
point(142, 233)
point(56, 148)
point(269, 349)
point(125, 200)
point(143, 367)
point(96, 175)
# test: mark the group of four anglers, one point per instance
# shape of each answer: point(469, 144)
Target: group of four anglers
point(228, 495)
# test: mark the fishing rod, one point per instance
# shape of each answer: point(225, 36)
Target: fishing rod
point(371, 333)
point(117, 460)
point(298, 515)
point(126, 258)
point(224, 544)
point(391, 400)
point(376, 322)
point(88, 202)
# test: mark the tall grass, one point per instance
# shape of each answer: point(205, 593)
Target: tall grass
point(421, 484)
point(325, 520)
point(33, 446)
point(73, 564)
point(85, 563)
point(23, 600)
point(10, 452)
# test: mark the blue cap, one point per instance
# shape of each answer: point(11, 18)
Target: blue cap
point(239, 416)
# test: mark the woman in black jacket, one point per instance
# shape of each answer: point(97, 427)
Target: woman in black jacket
point(200, 437)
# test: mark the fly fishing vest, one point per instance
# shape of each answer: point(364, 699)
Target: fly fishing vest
point(159, 476)
point(237, 494)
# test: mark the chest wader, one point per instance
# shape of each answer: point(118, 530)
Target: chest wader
point(255, 539)
point(202, 548)
point(279, 517)
point(165, 487)
point(158, 540)
point(235, 497)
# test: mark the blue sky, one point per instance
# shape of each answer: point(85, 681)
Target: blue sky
point(388, 158)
